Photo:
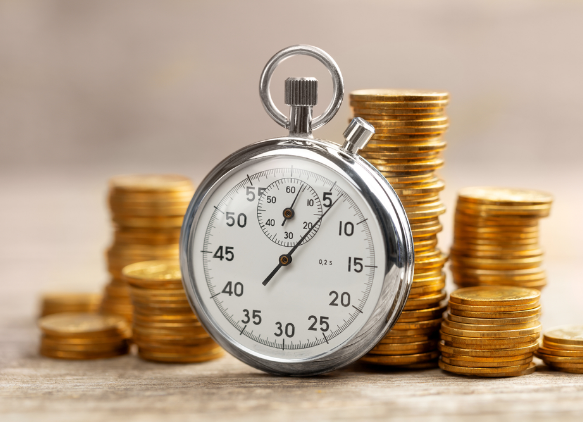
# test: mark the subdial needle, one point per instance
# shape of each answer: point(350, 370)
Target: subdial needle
point(289, 212)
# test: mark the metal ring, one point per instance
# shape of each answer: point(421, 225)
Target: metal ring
point(326, 60)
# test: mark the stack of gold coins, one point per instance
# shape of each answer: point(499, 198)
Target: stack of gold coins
point(491, 331)
point(83, 336)
point(496, 237)
point(147, 212)
point(54, 303)
point(562, 348)
point(406, 148)
point(165, 328)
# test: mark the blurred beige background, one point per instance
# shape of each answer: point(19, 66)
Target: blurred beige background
point(89, 89)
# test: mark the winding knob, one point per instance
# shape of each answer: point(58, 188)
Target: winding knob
point(301, 91)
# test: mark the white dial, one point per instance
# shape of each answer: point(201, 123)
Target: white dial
point(288, 298)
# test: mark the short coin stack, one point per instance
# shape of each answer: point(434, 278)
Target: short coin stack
point(164, 327)
point(83, 336)
point(562, 348)
point(491, 331)
point(54, 303)
point(496, 237)
point(147, 211)
point(406, 148)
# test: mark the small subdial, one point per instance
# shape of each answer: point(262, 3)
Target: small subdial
point(287, 209)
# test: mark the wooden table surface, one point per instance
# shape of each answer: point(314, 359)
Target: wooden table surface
point(54, 231)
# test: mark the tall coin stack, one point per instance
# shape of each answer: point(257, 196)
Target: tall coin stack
point(165, 328)
point(496, 237)
point(147, 212)
point(562, 348)
point(491, 331)
point(406, 148)
point(79, 336)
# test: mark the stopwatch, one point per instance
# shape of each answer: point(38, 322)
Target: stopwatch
point(296, 253)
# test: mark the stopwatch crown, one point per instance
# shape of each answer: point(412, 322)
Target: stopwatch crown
point(357, 135)
point(301, 91)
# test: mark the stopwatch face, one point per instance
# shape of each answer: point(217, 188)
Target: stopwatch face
point(288, 259)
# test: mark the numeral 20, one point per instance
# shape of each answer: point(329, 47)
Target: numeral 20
point(344, 299)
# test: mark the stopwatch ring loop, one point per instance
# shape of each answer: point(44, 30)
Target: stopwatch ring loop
point(324, 58)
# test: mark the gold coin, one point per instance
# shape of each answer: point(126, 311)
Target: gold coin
point(533, 211)
point(514, 221)
point(424, 314)
point(420, 213)
point(398, 95)
point(416, 123)
point(491, 347)
point(492, 364)
point(560, 346)
point(177, 358)
point(485, 353)
point(150, 183)
point(502, 296)
point(447, 328)
point(504, 315)
point(430, 262)
point(419, 200)
point(153, 274)
point(390, 106)
point(498, 308)
point(432, 323)
point(148, 222)
point(82, 325)
point(491, 253)
point(565, 334)
point(504, 196)
point(568, 365)
point(420, 189)
point(406, 138)
point(405, 147)
point(425, 290)
point(498, 264)
point(557, 352)
point(376, 113)
point(401, 360)
point(120, 347)
point(482, 360)
point(412, 332)
point(380, 157)
point(488, 343)
point(530, 274)
point(489, 327)
point(426, 131)
point(531, 285)
point(558, 359)
point(517, 370)
point(428, 301)
point(407, 348)
point(410, 339)
point(407, 165)
point(425, 280)
point(58, 354)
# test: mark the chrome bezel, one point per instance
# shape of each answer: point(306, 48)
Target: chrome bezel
point(391, 217)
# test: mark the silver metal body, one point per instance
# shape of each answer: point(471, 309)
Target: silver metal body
point(392, 220)
point(373, 187)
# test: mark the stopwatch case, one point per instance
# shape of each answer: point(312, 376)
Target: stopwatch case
point(396, 233)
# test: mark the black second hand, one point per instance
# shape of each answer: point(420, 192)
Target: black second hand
point(276, 269)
